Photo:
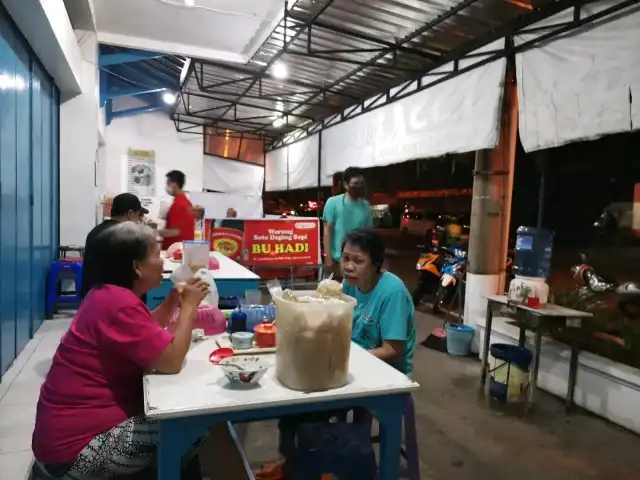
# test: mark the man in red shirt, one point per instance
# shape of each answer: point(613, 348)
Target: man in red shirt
point(181, 215)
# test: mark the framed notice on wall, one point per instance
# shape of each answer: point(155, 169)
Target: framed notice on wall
point(141, 173)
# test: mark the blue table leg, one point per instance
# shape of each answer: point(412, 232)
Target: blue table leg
point(169, 455)
point(388, 411)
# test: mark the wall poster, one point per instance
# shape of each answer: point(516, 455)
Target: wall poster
point(141, 174)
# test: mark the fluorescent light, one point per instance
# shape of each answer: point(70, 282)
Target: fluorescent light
point(280, 70)
point(169, 98)
point(279, 122)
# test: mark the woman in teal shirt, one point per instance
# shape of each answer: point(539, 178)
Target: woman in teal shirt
point(383, 321)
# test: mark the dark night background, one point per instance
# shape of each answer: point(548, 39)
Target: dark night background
point(581, 180)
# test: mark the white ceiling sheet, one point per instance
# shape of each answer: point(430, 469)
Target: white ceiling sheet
point(459, 115)
point(303, 163)
point(231, 176)
point(583, 85)
point(216, 204)
point(275, 170)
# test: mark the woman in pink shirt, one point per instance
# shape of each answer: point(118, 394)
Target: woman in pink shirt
point(90, 420)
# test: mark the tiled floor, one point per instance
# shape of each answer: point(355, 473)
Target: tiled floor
point(18, 397)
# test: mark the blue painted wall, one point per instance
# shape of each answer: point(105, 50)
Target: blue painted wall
point(29, 197)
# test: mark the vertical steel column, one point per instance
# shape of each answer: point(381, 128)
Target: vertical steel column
point(542, 162)
point(319, 172)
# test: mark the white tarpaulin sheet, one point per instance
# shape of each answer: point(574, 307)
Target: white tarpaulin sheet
point(458, 115)
point(275, 170)
point(216, 204)
point(582, 85)
point(231, 176)
point(294, 166)
point(303, 163)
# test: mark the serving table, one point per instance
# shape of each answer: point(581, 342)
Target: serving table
point(539, 320)
point(232, 280)
point(186, 405)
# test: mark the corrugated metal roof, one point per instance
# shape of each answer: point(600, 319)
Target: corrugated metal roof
point(338, 53)
point(163, 70)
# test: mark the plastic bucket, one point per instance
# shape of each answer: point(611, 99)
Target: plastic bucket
point(459, 337)
point(509, 372)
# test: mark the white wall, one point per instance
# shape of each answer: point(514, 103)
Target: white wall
point(78, 150)
point(151, 131)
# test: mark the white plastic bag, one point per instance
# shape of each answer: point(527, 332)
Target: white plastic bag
point(183, 273)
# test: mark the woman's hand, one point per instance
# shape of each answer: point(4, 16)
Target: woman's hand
point(193, 293)
point(173, 299)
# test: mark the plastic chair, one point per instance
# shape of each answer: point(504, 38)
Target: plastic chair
point(61, 270)
point(341, 449)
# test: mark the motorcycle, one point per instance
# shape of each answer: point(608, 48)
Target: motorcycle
point(451, 274)
point(593, 288)
point(428, 266)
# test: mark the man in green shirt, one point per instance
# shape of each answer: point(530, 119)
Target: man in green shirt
point(342, 214)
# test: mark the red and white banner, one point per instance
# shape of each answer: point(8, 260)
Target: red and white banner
point(276, 242)
point(282, 242)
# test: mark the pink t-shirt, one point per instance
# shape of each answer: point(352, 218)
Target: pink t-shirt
point(95, 381)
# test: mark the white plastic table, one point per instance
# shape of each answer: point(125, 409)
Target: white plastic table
point(187, 404)
point(232, 280)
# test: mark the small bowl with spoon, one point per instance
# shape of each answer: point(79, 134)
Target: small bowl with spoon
point(244, 369)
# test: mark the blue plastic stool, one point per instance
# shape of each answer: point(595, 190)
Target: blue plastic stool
point(342, 449)
point(62, 270)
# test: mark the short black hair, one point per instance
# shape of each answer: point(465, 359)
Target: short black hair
point(370, 242)
point(177, 177)
point(114, 251)
point(352, 172)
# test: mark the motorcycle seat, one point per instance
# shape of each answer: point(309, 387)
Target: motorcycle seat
point(629, 289)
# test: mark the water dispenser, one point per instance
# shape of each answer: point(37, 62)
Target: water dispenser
point(532, 265)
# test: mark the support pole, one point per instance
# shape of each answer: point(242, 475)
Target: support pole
point(542, 162)
point(491, 215)
point(319, 171)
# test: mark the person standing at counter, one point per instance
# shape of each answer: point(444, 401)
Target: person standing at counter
point(342, 214)
point(124, 207)
point(181, 216)
point(231, 220)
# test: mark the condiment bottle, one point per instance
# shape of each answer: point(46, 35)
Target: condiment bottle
point(238, 321)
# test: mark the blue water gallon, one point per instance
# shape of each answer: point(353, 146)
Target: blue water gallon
point(534, 247)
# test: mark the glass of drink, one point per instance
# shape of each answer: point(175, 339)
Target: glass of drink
point(196, 255)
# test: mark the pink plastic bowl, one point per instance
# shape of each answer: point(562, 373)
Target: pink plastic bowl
point(208, 318)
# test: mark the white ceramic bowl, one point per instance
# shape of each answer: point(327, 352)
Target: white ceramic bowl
point(251, 369)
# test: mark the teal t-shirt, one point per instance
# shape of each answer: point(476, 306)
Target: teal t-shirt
point(345, 215)
point(385, 313)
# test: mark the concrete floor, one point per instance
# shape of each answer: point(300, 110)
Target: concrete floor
point(462, 436)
